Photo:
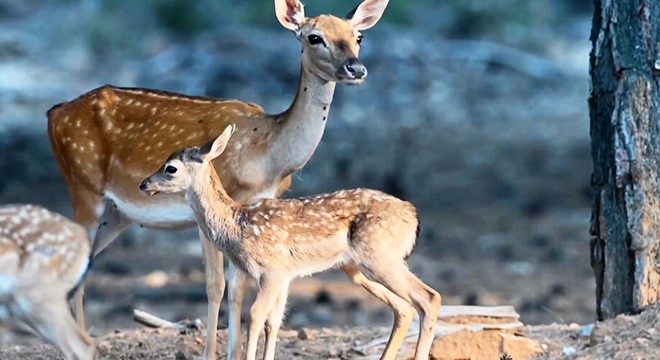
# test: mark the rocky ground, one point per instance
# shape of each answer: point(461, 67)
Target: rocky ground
point(625, 337)
point(487, 133)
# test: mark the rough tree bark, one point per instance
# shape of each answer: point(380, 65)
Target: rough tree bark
point(625, 141)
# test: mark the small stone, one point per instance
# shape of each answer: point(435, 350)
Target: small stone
point(286, 334)
point(651, 331)
point(573, 327)
point(586, 330)
point(569, 350)
point(180, 356)
point(334, 353)
point(597, 335)
point(641, 341)
point(103, 348)
point(305, 334)
point(156, 279)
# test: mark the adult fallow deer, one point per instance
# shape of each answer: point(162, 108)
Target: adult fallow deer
point(109, 139)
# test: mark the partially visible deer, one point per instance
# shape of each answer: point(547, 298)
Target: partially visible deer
point(367, 233)
point(44, 257)
point(100, 139)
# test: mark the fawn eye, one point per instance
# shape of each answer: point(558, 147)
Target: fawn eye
point(315, 40)
point(359, 39)
point(169, 169)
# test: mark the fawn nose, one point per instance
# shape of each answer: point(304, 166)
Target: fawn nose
point(143, 185)
point(355, 68)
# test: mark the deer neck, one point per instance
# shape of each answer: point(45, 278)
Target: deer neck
point(301, 127)
point(217, 214)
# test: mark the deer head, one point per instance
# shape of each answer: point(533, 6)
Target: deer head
point(331, 45)
point(180, 169)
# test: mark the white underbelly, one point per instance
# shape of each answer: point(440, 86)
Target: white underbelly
point(162, 215)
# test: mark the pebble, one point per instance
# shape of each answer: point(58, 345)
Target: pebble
point(285, 334)
point(597, 335)
point(305, 334)
point(569, 350)
point(586, 330)
point(156, 279)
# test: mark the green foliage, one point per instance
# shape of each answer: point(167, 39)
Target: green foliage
point(126, 24)
point(185, 17)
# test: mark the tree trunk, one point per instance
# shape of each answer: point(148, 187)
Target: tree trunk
point(625, 142)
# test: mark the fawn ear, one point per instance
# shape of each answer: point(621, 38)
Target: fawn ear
point(290, 13)
point(367, 14)
point(216, 147)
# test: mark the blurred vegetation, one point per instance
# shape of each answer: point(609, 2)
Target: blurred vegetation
point(516, 22)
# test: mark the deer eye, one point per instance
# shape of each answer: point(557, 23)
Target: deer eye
point(359, 39)
point(169, 169)
point(315, 40)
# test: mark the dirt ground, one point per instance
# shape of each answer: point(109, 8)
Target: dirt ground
point(625, 337)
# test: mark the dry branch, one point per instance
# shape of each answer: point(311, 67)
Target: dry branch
point(488, 311)
point(155, 322)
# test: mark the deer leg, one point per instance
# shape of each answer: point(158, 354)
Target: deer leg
point(267, 292)
point(79, 305)
point(236, 293)
point(53, 321)
point(274, 321)
point(215, 288)
point(404, 312)
point(399, 280)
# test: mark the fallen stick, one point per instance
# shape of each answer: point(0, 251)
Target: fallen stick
point(155, 322)
point(506, 311)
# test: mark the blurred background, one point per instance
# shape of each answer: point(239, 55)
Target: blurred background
point(474, 110)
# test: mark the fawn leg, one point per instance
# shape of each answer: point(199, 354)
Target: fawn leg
point(52, 319)
point(403, 311)
point(215, 288)
point(274, 321)
point(267, 293)
point(402, 282)
point(236, 293)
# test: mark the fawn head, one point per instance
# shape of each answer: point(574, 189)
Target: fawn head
point(331, 45)
point(180, 169)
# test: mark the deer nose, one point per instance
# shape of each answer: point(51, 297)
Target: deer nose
point(143, 185)
point(355, 68)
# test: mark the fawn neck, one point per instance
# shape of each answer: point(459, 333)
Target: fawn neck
point(217, 214)
point(301, 126)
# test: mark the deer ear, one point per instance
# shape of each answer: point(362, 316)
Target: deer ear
point(290, 13)
point(216, 147)
point(367, 14)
